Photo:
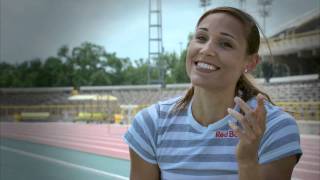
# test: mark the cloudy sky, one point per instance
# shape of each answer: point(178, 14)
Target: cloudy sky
point(37, 28)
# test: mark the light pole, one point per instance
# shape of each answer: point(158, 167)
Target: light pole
point(264, 11)
point(204, 4)
point(242, 4)
point(180, 44)
point(155, 46)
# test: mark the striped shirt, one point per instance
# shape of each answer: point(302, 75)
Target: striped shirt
point(184, 149)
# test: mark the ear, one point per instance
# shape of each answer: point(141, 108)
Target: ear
point(253, 61)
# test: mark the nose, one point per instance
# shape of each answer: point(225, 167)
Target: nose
point(208, 49)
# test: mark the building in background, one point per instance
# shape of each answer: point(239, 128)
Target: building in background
point(296, 46)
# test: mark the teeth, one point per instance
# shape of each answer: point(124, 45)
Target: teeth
point(206, 66)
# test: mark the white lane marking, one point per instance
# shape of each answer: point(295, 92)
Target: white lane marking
point(309, 163)
point(306, 171)
point(44, 140)
point(310, 156)
point(310, 136)
point(63, 163)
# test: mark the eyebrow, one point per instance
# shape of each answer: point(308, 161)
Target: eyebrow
point(222, 33)
point(229, 35)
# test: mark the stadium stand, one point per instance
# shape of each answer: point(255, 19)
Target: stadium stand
point(297, 94)
point(296, 44)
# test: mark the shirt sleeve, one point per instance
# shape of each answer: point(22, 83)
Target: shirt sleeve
point(141, 135)
point(281, 139)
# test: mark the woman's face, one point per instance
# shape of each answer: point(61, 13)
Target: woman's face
point(216, 55)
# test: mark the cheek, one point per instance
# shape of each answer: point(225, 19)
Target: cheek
point(237, 69)
point(234, 61)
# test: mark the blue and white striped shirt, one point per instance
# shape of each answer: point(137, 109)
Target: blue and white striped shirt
point(184, 149)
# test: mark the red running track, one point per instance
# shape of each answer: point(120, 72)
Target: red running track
point(106, 140)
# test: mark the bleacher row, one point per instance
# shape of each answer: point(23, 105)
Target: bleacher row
point(302, 98)
point(294, 92)
point(305, 92)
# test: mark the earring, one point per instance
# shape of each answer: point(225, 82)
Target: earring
point(246, 70)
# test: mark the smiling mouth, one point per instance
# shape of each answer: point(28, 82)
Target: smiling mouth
point(206, 66)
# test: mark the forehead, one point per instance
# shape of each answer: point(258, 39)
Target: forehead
point(222, 22)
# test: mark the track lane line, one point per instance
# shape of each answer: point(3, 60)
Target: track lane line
point(63, 163)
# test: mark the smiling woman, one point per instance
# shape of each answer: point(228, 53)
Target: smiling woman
point(224, 127)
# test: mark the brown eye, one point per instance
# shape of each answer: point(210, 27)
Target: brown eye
point(201, 38)
point(225, 44)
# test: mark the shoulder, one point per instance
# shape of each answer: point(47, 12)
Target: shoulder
point(279, 123)
point(170, 101)
point(274, 112)
point(157, 111)
point(164, 106)
point(278, 116)
point(281, 137)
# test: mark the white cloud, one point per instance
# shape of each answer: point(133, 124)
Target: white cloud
point(37, 28)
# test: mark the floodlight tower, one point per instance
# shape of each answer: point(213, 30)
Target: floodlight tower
point(264, 11)
point(204, 4)
point(155, 48)
point(242, 4)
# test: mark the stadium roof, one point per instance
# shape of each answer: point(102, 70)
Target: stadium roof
point(298, 22)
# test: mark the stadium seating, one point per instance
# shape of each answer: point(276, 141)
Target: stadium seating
point(301, 97)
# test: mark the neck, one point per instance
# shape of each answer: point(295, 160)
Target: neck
point(209, 106)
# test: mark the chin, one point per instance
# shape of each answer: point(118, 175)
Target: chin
point(202, 83)
point(209, 85)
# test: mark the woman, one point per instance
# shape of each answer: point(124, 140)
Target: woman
point(224, 127)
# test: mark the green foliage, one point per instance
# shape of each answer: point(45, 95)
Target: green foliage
point(7, 74)
point(88, 65)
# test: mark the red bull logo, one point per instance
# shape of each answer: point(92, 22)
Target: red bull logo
point(226, 134)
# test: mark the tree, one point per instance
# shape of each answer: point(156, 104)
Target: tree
point(180, 70)
point(7, 75)
point(89, 64)
point(83, 62)
point(55, 72)
point(99, 78)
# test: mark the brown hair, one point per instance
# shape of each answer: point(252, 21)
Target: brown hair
point(245, 87)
